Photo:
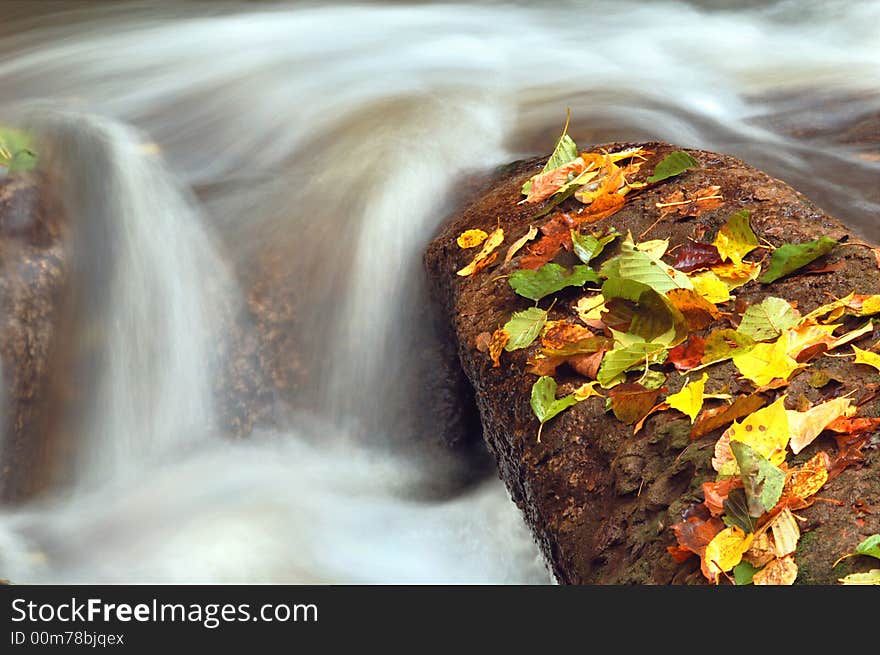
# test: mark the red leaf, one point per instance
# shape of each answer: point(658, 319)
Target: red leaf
point(689, 354)
point(693, 256)
point(849, 453)
point(679, 554)
point(557, 234)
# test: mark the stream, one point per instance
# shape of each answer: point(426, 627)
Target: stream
point(188, 138)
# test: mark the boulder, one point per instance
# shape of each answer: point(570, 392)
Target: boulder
point(33, 278)
point(600, 499)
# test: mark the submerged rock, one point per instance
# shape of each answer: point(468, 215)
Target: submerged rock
point(599, 499)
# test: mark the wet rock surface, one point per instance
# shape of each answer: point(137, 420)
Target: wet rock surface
point(599, 499)
point(33, 276)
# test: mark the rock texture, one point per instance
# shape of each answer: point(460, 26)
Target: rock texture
point(33, 276)
point(598, 499)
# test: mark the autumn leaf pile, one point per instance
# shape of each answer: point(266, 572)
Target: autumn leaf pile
point(650, 314)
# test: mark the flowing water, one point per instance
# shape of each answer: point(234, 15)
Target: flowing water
point(339, 134)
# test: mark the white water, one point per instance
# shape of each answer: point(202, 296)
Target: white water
point(339, 132)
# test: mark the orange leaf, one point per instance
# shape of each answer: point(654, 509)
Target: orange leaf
point(808, 479)
point(715, 493)
point(563, 334)
point(691, 203)
point(546, 184)
point(713, 419)
point(557, 234)
point(500, 337)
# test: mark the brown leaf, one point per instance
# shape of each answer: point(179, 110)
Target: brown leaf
point(713, 419)
point(695, 256)
point(500, 337)
point(482, 341)
point(698, 311)
point(631, 402)
point(691, 203)
point(689, 354)
point(587, 365)
point(849, 453)
point(695, 533)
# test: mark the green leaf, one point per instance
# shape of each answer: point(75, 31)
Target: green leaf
point(624, 357)
point(566, 150)
point(16, 153)
point(792, 256)
point(743, 573)
point(762, 480)
point(871, 577)
point(736, 239)
point(724, 344)
point(548, 279)
point(766, 321)
point(870, 546)
point(653, 379)
point(640, 266)
point(544, 402)
point(675, 163)
point(589, 246)
point(524, 327)
point(736, 511)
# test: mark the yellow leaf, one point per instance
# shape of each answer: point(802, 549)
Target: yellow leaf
point(710, 287)
point(785, 533)
point(871, 577)
point(735, 239)
point(655, 247)
point(766, 431)
point(766, 362)
point(689, 400)
point(519, 243)
point(807, 335)
point(471, 238)
point(867, 357)
point(736, 274)
point(590, 308)
point(806, 426)
point(828, 308)
point(495, 239)
point(587, 390)
point(782, 571)
point(725, 551)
